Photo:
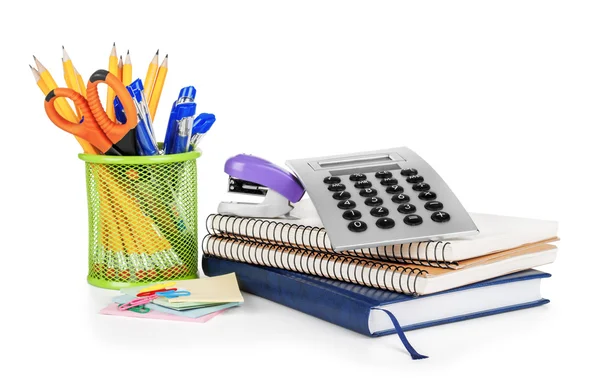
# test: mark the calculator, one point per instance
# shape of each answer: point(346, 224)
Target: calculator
point(381, 198)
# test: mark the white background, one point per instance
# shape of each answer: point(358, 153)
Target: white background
point(501, 97)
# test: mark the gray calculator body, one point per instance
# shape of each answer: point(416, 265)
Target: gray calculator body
point(381, 198)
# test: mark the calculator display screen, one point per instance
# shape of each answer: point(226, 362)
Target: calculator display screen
point(367, 169)
point(354, 162)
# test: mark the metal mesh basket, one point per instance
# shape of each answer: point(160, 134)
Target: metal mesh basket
point(143, 223)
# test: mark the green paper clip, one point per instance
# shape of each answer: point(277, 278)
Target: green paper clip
point(139, 309)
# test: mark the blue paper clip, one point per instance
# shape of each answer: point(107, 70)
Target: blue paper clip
point(173, 293)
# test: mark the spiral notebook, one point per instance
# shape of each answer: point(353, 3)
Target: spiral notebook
point(403, 278)
point(304, 230)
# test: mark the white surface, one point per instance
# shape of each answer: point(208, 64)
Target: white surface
point(501, 98)
point(455, 304)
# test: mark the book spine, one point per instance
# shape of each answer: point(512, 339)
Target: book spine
point(315, 239)
point(297, 294)
point(377, 274)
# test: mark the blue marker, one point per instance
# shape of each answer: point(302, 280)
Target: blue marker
point(202, 124)
point(184, 118)
point(186, 95)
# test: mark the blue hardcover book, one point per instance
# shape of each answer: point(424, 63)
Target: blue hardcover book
point(375, 312)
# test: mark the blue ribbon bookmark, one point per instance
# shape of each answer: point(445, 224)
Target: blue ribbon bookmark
point(414, 354)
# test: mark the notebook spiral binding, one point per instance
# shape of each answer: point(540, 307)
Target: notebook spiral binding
point(382, 275)
point(299, 236)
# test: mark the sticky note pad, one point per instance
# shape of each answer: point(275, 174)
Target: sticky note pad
point(219, 289)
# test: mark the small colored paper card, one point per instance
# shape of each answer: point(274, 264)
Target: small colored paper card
point(113, 310)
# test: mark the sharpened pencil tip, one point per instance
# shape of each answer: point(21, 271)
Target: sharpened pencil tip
point(166, 56)
point(156, 52)
point(127, 52)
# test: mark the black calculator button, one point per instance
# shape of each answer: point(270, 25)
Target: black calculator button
point(440, 216)
point(400, 198)
point(358, 177)
point(373, 202)
point(346, 204)
point(413, 220)
point(368, 192)
point(363, 184)
point(357, 226)
point(392, 189)
point(341, 195)
point(415, 179)
point(378, 212)
point(389, 181)
point(383, 174)
point(336, 187)
point(385, 223)
point(407, 208)
point(331, 180)
point(409, 172)
point(434, 205)
point(427, 195)
point(421, 187)
point(351, 215)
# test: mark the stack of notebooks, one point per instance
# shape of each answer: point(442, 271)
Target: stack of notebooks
point(389, 289)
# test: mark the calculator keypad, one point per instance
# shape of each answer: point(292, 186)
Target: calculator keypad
point(394, 189)
point(358, 177)
point(363, 184)
point(400, 198)
point(427, 195)
point(343, 195)
point(407, 208)
point(389, 181)
point(346, 204)
point(378, 212)
point(351, 215)
point(434, 206)
point(440, 216)
point(409, 212)
point(357, 226)
point(336, 187)
point(368, 192)
point(385, 223)
point(331, 180)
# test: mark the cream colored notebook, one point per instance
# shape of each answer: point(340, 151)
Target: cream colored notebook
point(304, 230)
point(404, 278)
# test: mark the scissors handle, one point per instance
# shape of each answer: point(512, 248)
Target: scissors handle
point(114, 131)
point(88, 129)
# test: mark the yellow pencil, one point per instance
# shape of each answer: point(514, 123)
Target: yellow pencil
point(87, 147)
point(127, 70)
point(158, 86)
point(80, 83)
point(120, 68)
point(49, 81)
point(151, 76)
point(113, 68)
point(70, 77)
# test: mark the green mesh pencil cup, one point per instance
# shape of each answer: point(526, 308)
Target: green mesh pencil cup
point(143, 218)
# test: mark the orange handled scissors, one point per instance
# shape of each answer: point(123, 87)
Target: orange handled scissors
point(97, 128)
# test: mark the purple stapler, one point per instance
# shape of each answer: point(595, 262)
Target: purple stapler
point(252, 175)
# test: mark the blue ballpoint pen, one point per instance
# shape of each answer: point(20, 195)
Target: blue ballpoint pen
point(184, 117)
point(186, 94)
point(202, 124)
point(144, 134)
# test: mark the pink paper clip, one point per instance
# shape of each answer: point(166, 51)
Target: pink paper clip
point(138, 301)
